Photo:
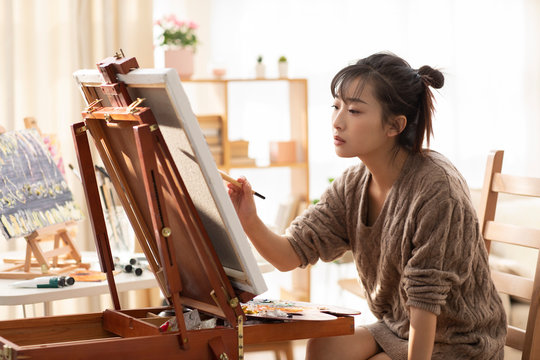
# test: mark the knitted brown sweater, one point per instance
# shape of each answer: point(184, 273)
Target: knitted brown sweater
point(424, 250)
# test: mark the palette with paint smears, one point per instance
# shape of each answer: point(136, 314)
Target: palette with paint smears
point(293, 310)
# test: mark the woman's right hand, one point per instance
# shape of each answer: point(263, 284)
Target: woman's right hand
point(274, 248)
point(243, 201)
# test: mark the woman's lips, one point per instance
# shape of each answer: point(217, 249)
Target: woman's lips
point(338, 141)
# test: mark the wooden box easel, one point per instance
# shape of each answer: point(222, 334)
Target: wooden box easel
point(175, 242)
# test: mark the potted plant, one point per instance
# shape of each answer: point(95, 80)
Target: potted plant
point(180, 42)
point(260, 68)
point(283, 67)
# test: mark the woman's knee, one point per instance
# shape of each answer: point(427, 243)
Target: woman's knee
point(360, 345)
point(317, 347)
point(380, 356)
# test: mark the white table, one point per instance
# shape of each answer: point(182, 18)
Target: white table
point(10, 295)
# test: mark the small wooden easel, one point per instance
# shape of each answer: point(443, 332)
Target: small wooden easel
point(60, 260)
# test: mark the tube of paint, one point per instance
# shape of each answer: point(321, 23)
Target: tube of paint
point(43, 282)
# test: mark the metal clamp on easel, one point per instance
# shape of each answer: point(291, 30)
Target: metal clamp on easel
point(132, 108)
point(92, 106)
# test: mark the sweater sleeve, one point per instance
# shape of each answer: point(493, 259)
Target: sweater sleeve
point(320, 232)
point(441, 251)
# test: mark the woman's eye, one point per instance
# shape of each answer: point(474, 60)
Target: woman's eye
point(352, 111)
point(335, 107)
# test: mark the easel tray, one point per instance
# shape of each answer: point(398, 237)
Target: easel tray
point(135, 334)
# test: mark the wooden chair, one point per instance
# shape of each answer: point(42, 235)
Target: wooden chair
point(353, 286)
point(527, 340)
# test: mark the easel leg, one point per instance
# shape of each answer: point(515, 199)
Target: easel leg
point(88, 175)
point(28, 261)
point(38, 253)
point(75, 254)
point(56, 245)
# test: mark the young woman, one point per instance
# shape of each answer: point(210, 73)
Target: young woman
point(406, 215)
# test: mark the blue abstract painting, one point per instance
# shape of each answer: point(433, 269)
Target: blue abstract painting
point(33, 191)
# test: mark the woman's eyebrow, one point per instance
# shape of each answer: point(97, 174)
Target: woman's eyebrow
point(356, 100)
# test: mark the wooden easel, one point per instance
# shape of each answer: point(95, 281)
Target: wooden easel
point(31, 123)
point(165, 243)
point(150, 185)
point(176, 244)
point(60, 260)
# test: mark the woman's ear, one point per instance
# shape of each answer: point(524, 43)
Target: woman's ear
point(396, 125)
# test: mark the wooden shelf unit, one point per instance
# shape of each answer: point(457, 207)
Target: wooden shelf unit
point(217, 92)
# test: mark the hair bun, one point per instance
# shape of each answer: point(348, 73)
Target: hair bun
point(432, 77)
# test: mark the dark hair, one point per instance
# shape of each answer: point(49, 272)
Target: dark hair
point(400, 89)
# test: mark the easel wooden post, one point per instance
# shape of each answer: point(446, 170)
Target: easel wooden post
point(88, 177)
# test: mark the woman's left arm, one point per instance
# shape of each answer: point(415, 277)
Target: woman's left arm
point(421, 333)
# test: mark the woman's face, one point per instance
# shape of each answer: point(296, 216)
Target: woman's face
point(357, 122)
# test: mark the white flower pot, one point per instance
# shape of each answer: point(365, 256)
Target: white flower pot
point(260, 71)
point(180, 59)
point(283, 69)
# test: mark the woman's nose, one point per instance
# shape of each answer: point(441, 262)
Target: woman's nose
point(337, 121)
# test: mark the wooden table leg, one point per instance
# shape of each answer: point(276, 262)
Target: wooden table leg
point(47, 308)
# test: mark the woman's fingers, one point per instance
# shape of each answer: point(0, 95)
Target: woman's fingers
point(246, 186)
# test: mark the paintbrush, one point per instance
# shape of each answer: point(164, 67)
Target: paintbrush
point(228, 178)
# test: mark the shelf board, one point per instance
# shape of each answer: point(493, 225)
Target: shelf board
point(269, 166)
point(210, 80)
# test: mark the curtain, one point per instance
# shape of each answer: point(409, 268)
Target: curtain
point(41, 44)
point(532, 83)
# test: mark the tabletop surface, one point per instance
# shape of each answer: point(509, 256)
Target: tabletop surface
point(10, 295)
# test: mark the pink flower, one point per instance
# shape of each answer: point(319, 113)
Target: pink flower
point(175, 32)
point(157, 22)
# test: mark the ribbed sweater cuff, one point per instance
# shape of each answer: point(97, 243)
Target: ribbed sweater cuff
point(301, 255)
point(433, 308)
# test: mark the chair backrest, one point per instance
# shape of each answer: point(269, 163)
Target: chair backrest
point(527, 340)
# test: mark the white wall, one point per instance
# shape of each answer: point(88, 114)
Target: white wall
point(488, 50)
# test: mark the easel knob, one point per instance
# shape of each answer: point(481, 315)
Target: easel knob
point(119, 56)
point(166, 232)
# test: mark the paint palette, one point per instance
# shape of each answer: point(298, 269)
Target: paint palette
point(293, 310)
